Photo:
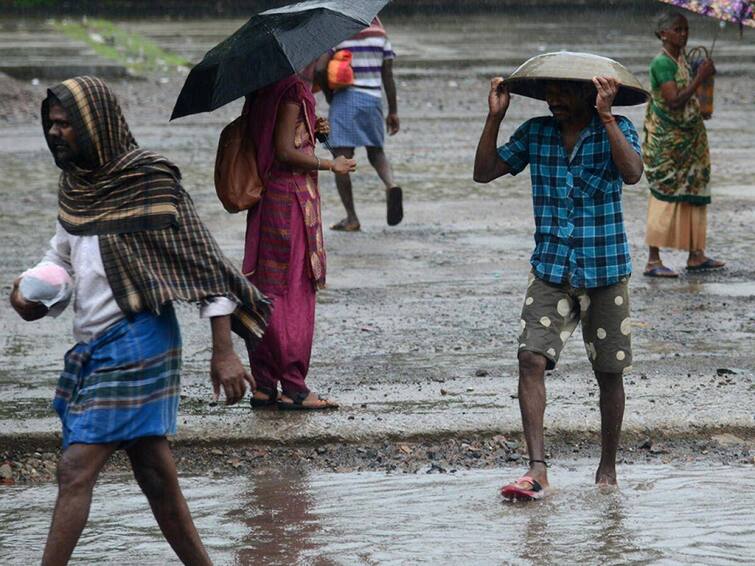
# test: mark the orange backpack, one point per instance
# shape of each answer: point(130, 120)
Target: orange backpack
point(237, 181)
point(340, 73)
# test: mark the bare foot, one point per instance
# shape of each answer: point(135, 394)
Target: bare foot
point(606, 477)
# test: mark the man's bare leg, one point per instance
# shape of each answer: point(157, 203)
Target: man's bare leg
point(611, 416)
point(343, 184)
point(155, 470)
point(382, 166)
point(532, 407)
point(78, 469)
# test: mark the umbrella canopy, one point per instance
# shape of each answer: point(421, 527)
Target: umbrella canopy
point(272, 45)
point(531, 77)
point(735, 11)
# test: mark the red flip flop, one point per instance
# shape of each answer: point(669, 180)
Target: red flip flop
point(513, 493)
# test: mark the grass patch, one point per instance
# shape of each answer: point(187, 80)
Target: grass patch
point(135, 52)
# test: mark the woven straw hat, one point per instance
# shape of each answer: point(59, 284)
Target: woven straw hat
point(530, 78)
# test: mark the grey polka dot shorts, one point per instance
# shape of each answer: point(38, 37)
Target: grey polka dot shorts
point(551, 313)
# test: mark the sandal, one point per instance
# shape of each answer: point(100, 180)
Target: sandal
point(297, 403)
point(708, 265)
point(272, 398)
point(346, 226)
point(661, 271)
point(512, 492)
point(395, 213)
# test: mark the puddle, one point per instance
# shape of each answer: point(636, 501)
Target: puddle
point(743, 289)
point(663, 514)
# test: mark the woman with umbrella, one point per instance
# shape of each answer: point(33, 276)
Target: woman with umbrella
point(676, 155)
point(284, 254)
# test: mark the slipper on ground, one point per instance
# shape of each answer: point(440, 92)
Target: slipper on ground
point(344, 226)
point(661, 271)
point(395, 213)
point(708, 265)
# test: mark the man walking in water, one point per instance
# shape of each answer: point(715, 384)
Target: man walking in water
point(578, 158)
point(131, 241)
point(356, 118)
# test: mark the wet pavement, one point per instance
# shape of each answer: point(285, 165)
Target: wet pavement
point(432, 304)
point(661, 515)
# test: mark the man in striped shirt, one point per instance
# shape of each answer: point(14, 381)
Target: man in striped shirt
point(356, 118)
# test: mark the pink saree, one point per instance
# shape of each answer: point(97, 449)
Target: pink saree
point(283, 253)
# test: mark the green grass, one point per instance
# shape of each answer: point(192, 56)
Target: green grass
point(137, 53)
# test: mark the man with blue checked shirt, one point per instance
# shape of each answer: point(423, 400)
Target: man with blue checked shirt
point(579, 158)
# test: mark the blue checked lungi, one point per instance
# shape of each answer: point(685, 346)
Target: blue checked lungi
point(124, 384)
point(356, 119)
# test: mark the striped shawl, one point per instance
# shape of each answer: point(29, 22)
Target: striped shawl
point(154, 247)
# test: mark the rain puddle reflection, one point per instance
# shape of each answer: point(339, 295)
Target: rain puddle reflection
point(677, 514)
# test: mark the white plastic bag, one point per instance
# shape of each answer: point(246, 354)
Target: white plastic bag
point(49, 284)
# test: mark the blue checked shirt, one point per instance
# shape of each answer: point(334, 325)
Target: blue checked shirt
point(579, 222)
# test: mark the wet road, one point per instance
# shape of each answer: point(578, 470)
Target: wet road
point(435, 301)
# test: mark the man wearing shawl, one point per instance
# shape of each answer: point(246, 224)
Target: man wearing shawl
point(131, 239)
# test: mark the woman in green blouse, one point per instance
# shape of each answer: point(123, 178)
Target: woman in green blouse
point(675, 152)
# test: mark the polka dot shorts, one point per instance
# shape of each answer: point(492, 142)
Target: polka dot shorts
point(551, 313)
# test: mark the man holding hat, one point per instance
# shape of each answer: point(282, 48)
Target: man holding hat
point(579, 157)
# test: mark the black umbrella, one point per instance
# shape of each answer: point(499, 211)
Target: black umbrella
point(270, 46)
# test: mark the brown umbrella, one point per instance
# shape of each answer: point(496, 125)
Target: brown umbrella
point(531, 77)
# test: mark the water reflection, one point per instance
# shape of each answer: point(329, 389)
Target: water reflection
point(598, 521)
point(278, 515)
point(662, 514)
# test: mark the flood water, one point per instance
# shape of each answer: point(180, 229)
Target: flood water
point(662, 515)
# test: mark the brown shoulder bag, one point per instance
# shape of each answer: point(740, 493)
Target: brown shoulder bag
point(237, 181)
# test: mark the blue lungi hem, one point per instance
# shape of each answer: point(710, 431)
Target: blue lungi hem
point(356, 119)
point(124, 384)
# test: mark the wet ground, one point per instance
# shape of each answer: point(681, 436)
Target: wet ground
point(416, 332)
point(663, 515)
point(432, 304)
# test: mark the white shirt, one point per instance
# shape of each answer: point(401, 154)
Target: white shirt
point(367, 56)
point(94, 305)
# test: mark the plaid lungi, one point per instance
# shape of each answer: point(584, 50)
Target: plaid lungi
point(356, 119)
point(124, 384)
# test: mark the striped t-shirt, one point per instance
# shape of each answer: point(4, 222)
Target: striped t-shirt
point(369, 49)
